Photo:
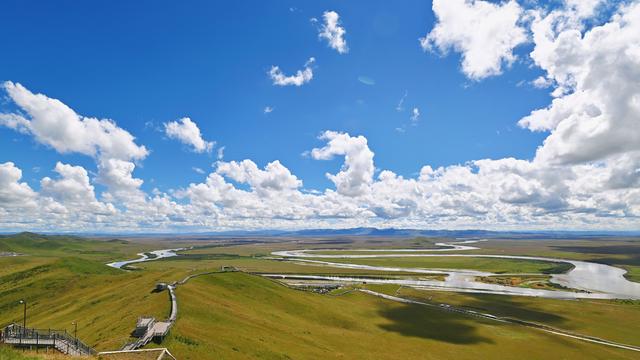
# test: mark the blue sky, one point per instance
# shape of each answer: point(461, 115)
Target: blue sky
point(146, 63)
point(140, 63)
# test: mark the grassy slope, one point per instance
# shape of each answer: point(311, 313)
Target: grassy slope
point(67, 281)
point(238, 316)
point(7, 353)
point(257, 317)
point(105, 302)
point(65, 246)
point(616, 320)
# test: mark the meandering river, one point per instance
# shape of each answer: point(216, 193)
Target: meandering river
point(159, 254)
point(595, 281)
point(592, 280)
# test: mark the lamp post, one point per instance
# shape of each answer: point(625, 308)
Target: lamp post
point(75, 333)
point(24, 318)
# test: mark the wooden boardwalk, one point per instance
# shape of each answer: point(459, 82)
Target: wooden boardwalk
point(159, 329)
point(61, 341)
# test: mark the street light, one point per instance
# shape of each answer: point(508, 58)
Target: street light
point(24, 318)
point(75, 333)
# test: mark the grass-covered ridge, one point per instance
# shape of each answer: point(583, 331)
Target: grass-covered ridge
point(65, 279)
point(26, 242)
point(32, 244)
point(240, 316)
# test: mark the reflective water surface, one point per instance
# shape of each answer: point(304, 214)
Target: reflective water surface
point(159, 254)
point(593, 280)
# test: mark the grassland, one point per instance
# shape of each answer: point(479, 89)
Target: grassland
point(615, 320)
point(240, 315)
point(66, 246)
point(7, 353)
point(525, 281)
point(105, 302)
point(497, 266)
point(624, 253)
point(68, 281)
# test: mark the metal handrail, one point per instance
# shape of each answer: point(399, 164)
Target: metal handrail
point(60, 338)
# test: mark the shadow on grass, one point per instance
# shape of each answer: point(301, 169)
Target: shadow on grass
point(630, 253)
point(633, 260)
point(419, 321)
point(606, 249)
point(509, 306)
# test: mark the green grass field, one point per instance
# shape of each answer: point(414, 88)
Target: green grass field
point(7, 353)
point(69, 281)
point(498, 266)
point(624, 253)
point(105, 302)
point(615, 320)
point(239, 315)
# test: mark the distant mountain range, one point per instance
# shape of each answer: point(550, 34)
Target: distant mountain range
point(368, 231)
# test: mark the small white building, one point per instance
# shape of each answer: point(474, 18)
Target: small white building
point(143, 324)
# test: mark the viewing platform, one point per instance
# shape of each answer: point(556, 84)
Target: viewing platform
point(59, 340)
point(148, 329)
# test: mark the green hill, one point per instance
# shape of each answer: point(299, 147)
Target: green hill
point(240, 316)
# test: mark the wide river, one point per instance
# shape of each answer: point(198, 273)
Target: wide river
point(595, 281)
point(158, 254)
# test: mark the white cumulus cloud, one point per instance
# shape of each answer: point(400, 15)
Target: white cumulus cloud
point(13, 193)
point(56, 125)
point(333, 32)
point(187, 132)
point(356, 174)
point(484, 33)
point(596, 112)
point(300, 78)
point(274, 178)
